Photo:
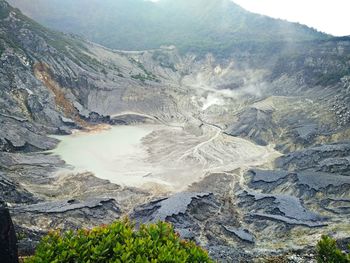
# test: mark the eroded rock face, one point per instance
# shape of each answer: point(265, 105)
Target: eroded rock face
point(236, 221)
point(162, 209)
point(241, 233)
point(12, 192)
point(284, 208)
point(193, 217)
point(35, 220)
point(297, 199)
point(68, 214)
point(22, 136)
point(255, 124)
point(175, 210)
point(309, 181)
point(332, 158)
point(8, 240)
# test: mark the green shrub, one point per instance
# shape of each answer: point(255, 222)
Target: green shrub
point(328, 252)
point(118, 242)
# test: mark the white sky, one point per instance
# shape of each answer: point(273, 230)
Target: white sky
point(330, 16)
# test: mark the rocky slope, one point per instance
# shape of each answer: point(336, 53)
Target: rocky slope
point(286, 97)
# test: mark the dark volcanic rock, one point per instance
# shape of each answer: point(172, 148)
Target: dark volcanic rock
point(128, 119)
point(267, 176)
point(228, 254)
point(8, 240)
point(254, 124)
point(341, 103)
point(184, 210)
point(165, 208)
point(284, 208)
point(286, 220)
point(330, 158)
point(10, 192)
point(306, 132)
point(13, 159)
point(62, 206)
point(241, 233)
point(22, 136)
point(335, 165)
point(340, 206)
point(68, 214)
point(195, 216)
point(216, 183)
point(28, 239)
point(318, 181)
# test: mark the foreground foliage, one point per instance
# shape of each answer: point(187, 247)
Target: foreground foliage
point(328, 252)
point(118, 242)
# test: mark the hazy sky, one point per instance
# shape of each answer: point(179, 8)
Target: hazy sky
point(330, 16)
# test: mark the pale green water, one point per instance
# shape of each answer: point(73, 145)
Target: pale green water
point(117, 155)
